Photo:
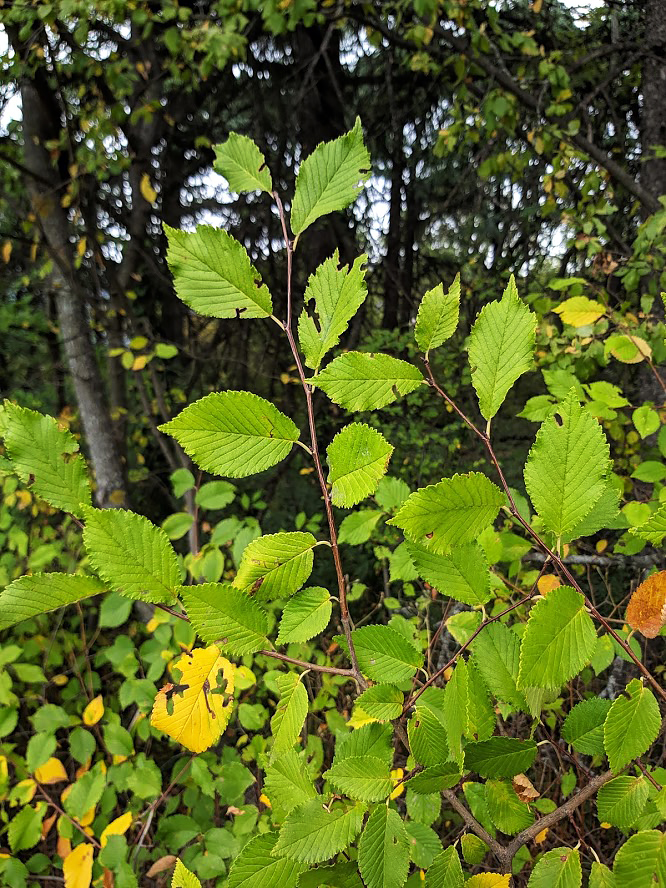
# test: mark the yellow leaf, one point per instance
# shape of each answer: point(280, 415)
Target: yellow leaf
point(147, 191)
point(139, 362)
point(539, 838)
point(360, 718)
point(547, 583)
point(6, 251)
point(63, 847)
point(81, 247)
point(263, 798)
point(398, 774)
point(60, 680)
point(196, 710)
point(88, 818)
point(93, 711)
point(117, 827)
point(24, 791)
point(78, 865)
point(647, 606)
point(579, 311)
point(489, 880)
point(536, 6)
point(51, 771)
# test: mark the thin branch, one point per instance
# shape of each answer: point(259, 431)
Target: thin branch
point(473, 824)
point(314, 667)
point(60, 811)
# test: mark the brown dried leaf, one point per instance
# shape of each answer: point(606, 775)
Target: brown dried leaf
point(647, 608)
point(164, 863)
point(524, 788)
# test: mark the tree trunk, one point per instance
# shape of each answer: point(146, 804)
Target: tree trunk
point(42, 184)
point(654, 98)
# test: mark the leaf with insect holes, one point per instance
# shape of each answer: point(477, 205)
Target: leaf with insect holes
point(132, 555)
point(366, 380)
point(647, 606)
point(383, 851)
point(450, 513)
point(501, 347)
point(560, 639)
point(46, 457)
point(256, 867)
point(337, 294)
point(195, 709)
point(219, 613)
point(565, 473)
point(314, 833)
point(358, 457)
point(242, 164)
point(233, 433)
point(632, 724)
point(214, 276)
point(330, 178)
point(41, 593)
point(437, 317)
point(289, 717)
point(305, 615)
point(276, 565)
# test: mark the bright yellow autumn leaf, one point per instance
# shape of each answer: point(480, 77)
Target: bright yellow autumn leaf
point(579, 311)
point(93, 711)
point(78, 866)
point(489, 880)
point(547, 583)
point(196, 710)
point(117, 827)
point(147, 191)
point(52, 771)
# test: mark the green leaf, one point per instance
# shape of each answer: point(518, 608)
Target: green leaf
point(427, 735)
point(496, 653)
point(357, 528)
point(46, 457)
point(367, 381)
point(620, 802)
point(183, 878)
point(364, 778)
point(313, 833)
point(242, 164)
point(288, 784)
point(507, 812)
point(383, 851)
point(654, 529)
point(463, 574)
point(215, 495)
point(226, 616)
point(445, 871)
point(86, 793)
point(276, 565)
point(330, 178)
point(337, 294)
point(39, 750)
point(391, 493)
point(583, 727)
point(500, 756)
point(384, 655)
point(41, 593)
point(604, 514)
point(424, 844)
point(632, 724)
point(25, 829)
point(501, 347)
point(132, 555)
point(641, 861)
point(358, 456)
point(383, 702)
point(177, 525)
point(601, 877)
point(560, 639)
point(213, 274)
point(566, 469)
point(233, 433)
point(646, 420)
point(305, 615)
point(559, 868)
point(289, 718)
point(343, 874)
point(456, 709)
point(256, 867)
point(449, 514)
point(481, 716)
point(435, 778)
point(437, 318)
point(373, 739)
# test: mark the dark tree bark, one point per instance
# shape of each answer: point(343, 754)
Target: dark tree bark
point(654, 98)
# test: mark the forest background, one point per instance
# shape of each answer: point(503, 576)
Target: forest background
point(524, 138)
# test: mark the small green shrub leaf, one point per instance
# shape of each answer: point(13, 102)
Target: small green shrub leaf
point(358, 457)
point(214, 276)
point(287, 723)
point(383, 702)
point(559, 641)
point(367, 381)
point(132, 555)
point(496, 653)
point(501, 347)
point(288, 784)
point(437, 318)
point(42, 593)
point(435, 778)
point(305, 615)
point(583, 727)
point(641, 861)
point(560, 867)
point(226, 616)
point(183, 878)
point(620, 802)
point(256, 867)
point(507, 812)
point(632, 724)
point(384, 655)
point(233, 433)
point(330, 178)
point(500, 756)
point(242, 164)
point(364, 778)
point(337, 294)
point(451, 513)
point(276, 565)
point(654, 529)
point(445, 871)
point(463, 574)
point(313, 833)
point(383, 852)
